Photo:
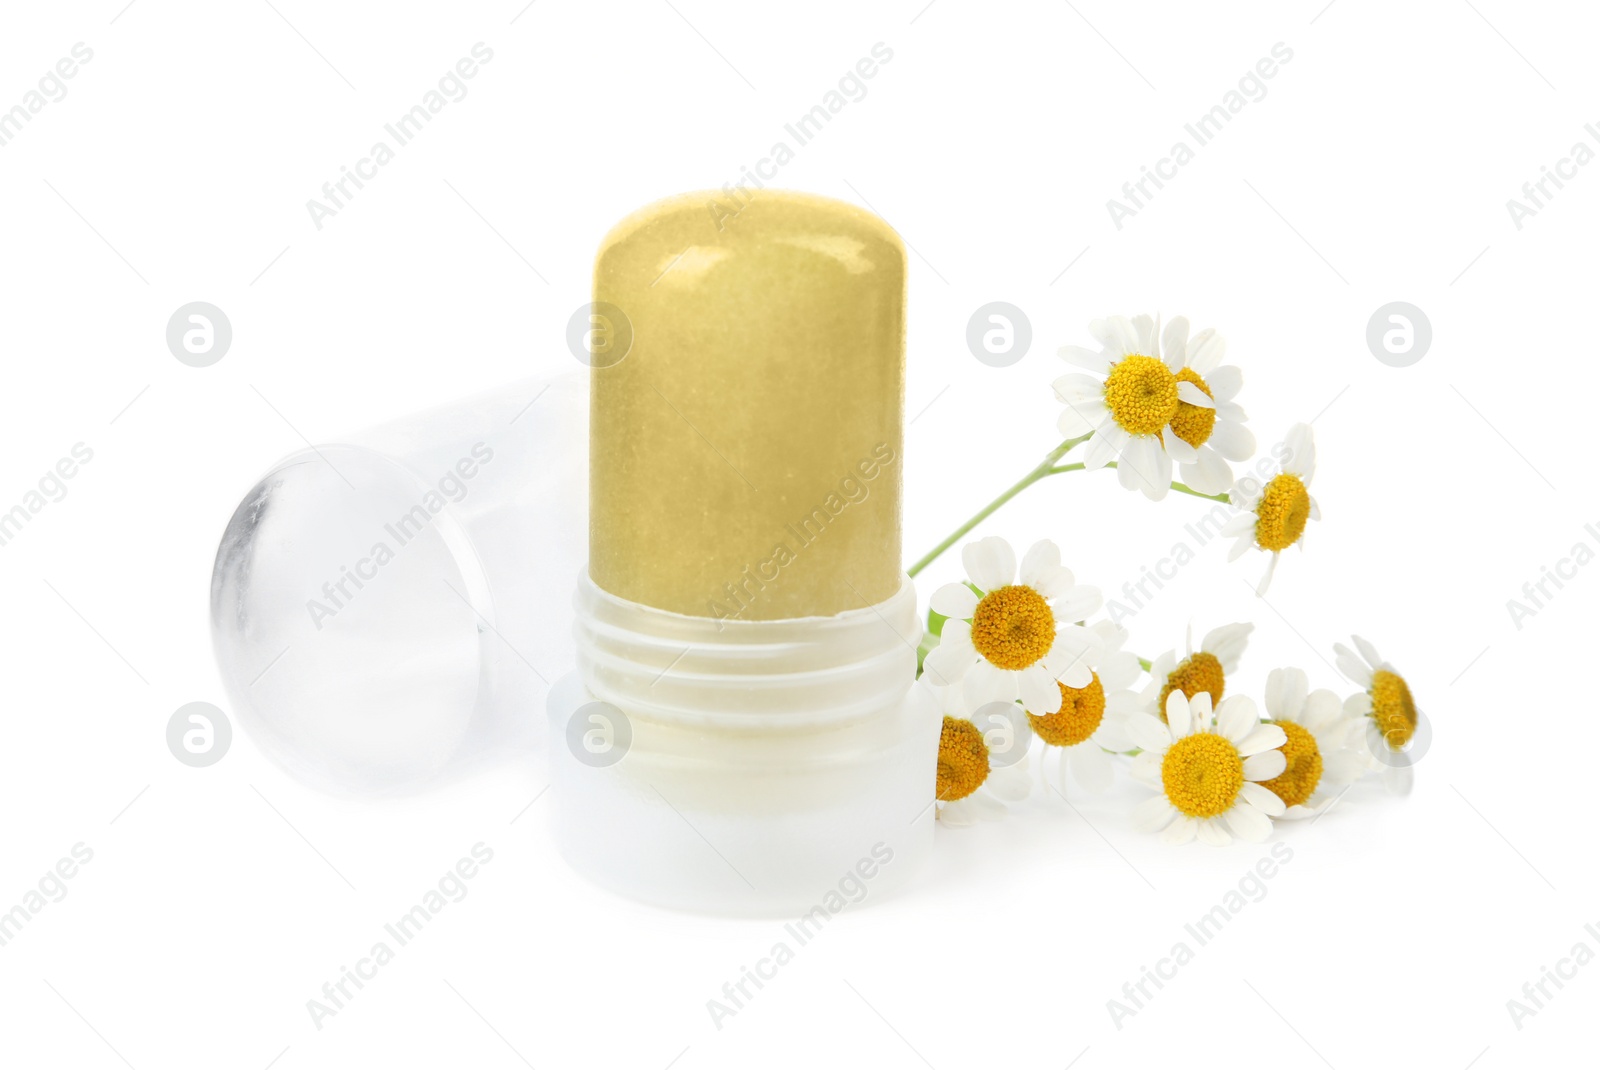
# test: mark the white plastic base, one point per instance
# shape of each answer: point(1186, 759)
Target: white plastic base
point(752, 768)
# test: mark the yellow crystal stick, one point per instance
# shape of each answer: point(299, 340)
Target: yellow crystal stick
point(746, 637)
point(745, 452)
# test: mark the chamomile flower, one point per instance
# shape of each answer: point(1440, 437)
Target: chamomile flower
point(1207, 766)
point(1006, 640)
point(1385, 702)
point(1320, 761)
point(1090, 721)
point(1275, 515)
point(1213, 431)
point(1129, 403)
point(969, 784)
point(1203, 671)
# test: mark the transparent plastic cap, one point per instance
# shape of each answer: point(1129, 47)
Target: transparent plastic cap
point(387, 608)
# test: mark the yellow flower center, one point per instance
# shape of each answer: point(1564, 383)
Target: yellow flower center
point(1193, 423)
point(1079, 715)
point(963, 760)
point(1282, 513)
point(1013, 627)
point(1202, 775)
point(1194, 674)
point(1142, 394)
point(1303, 771)
point(1393, 708)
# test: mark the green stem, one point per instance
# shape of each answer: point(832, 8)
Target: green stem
point(1046, 467)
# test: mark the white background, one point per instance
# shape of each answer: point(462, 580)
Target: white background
point(1376, 169)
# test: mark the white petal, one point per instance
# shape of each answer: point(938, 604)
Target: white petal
point(990, 562)
point(1075, 388)
point(1267, 765)
point(1273, 695)
point(1233, 440)
point(1078, 603)
point(1212, 832)
point(1074, 644)
point(1209, 474)
point(1145, 467)
point(1377, 748)
point(1147, 330)
point(1192, 394)
point(1153, 815)
point(1119, 671)
point(1136, 461)
point(1368, 652)
point(1161, 668)
point(1180, 831)
point(1102, 449)
point(1006, 733)
point(1180, 718)
point(1108, 637)
point(1225, 382)
point(1266, 577)
point(957, 634)
point(988, 683)
point(1286, 693)
point(1085, 358)
point(946, 665)
point(1072, 423)
point(1228, 643)
point(954, 600)
point(1249, 824)
point(1303, 452)
point(1072, 669)
point(1157, 490)
point(1262, 738)
point(1206, 350)
point(1246, 494)
point(1241, 524)
point(1124, 703)
point(1038, 690)
point(959, 814)
point(1357, 671)
point(1341, 767)
point(1236, 719)
point(1149, 734)
point(1175, 341)
point(951, 703)
point(1321, 711)
point(1176, 447)
point(1261, 798)
point(1055, 584)
point(1117, 334)
point(1113, 732)
point(1042, 557)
